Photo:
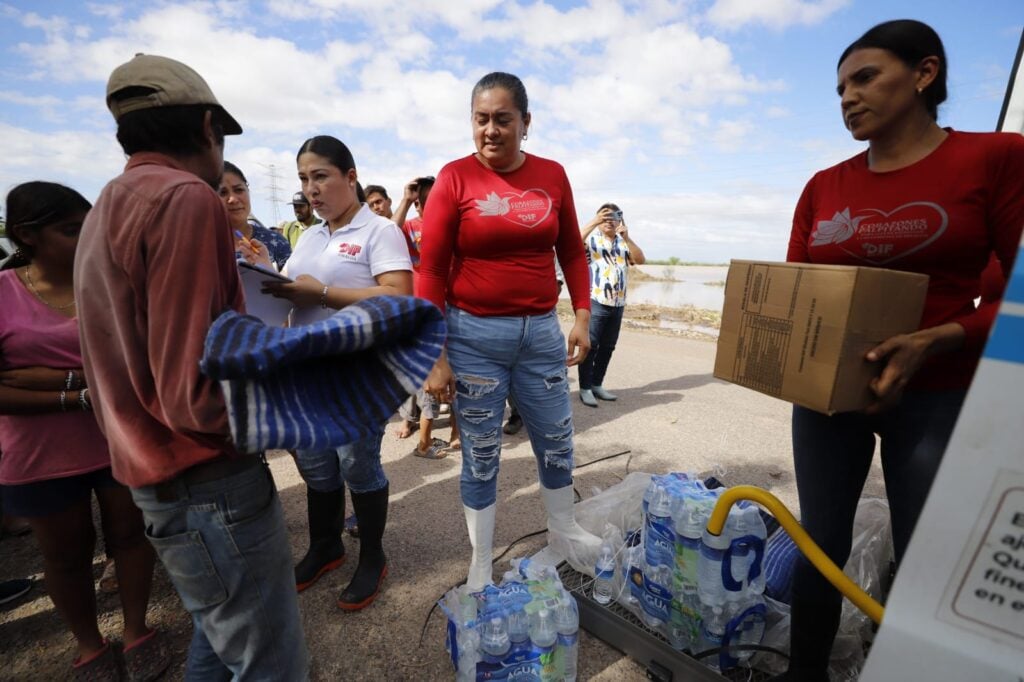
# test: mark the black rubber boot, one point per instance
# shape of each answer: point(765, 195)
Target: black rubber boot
point(372, 513)
point(326, 551)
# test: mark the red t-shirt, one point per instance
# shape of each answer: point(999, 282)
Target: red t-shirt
point(413, 230)
point(487, 239)
point(943, 216)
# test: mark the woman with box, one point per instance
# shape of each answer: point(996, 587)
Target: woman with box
point(923, 199)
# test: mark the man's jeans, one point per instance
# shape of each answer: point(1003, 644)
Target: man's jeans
point(492, 357)
point(225, 546)
point(605, 323)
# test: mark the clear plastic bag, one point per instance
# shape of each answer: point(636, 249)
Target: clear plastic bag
point(620, 506)
point(868, 566)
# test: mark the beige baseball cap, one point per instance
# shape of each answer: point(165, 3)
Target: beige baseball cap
point(173, 84)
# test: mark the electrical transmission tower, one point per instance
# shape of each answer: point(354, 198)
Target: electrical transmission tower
point(273, 187)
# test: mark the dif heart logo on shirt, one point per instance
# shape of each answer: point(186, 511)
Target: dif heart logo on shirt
point(528, 208)
point(878, 237)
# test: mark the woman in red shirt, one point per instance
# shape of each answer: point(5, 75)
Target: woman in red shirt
point(922, 199)
point(488, 233)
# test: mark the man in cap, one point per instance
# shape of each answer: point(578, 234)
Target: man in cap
point(304, 219)
point(155, 266)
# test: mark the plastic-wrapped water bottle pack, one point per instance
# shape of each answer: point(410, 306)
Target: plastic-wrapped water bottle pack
point(524, 630)
point(699, 591)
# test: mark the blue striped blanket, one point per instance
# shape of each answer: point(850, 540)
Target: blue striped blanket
point(325, 384)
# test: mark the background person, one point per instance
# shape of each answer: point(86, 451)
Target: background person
point(964, 192)
point(54, 454)
point(234, 192)
point(155, 226)
point(304, 219)
point(493, 219)
point(354, 254)
point(378, 200)
point(610, 252)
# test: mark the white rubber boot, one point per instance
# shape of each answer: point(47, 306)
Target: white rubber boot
point(566, 537)
point(480, 523)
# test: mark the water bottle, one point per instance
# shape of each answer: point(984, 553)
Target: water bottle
point(542, 631)
point(657, 597)
point(494, 642)
point(531, 570)
point(632, 568)
point(745, 629)
point(604, 575)
point(712, 631)
point(710, 586)
point(659, 533)
point(689, 529)
point(469, 654)
point(511, 576)
point(567, 625)
point(523, 673)
point(754, 526)
point(518, 629)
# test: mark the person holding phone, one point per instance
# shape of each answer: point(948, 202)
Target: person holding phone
point(610, 252)
point(934, 201)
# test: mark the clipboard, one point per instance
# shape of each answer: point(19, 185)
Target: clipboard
point(273, 311)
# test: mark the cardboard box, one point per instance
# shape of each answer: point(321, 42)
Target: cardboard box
point(800, 332)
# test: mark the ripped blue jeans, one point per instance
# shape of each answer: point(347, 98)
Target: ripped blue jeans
point(490, 358)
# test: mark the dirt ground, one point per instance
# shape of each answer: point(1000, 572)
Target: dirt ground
point(672, 415)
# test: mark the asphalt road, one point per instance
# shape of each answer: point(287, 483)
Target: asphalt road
point(672, 415)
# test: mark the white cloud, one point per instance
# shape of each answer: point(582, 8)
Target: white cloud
point(633, 98)
point(776, 14)
point(84, 161)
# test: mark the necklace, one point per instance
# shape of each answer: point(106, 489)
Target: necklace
point(32, 288)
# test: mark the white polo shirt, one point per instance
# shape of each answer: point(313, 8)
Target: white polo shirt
point(350, 258)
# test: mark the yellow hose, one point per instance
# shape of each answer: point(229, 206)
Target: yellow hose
point(803, 541)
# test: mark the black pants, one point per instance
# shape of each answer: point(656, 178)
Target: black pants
point(832, 457)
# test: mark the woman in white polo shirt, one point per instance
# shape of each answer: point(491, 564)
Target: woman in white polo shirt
point(354, 254)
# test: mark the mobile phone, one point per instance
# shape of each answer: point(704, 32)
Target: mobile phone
point(616, 215)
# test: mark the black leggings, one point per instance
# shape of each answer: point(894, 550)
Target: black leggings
point(832, 457)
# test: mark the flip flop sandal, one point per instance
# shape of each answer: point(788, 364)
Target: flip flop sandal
point(102, 666)
point(432, 452)
point(108, 581)
point(147, 658)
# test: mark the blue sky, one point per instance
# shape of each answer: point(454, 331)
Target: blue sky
point(703, 119)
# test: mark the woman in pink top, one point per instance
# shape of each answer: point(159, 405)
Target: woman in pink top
point(54, 455)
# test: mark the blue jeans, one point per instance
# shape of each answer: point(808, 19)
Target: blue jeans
point(605, 322)
point(832, 457)
point(225, 547)
point(492, 357)
point(356, 464)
